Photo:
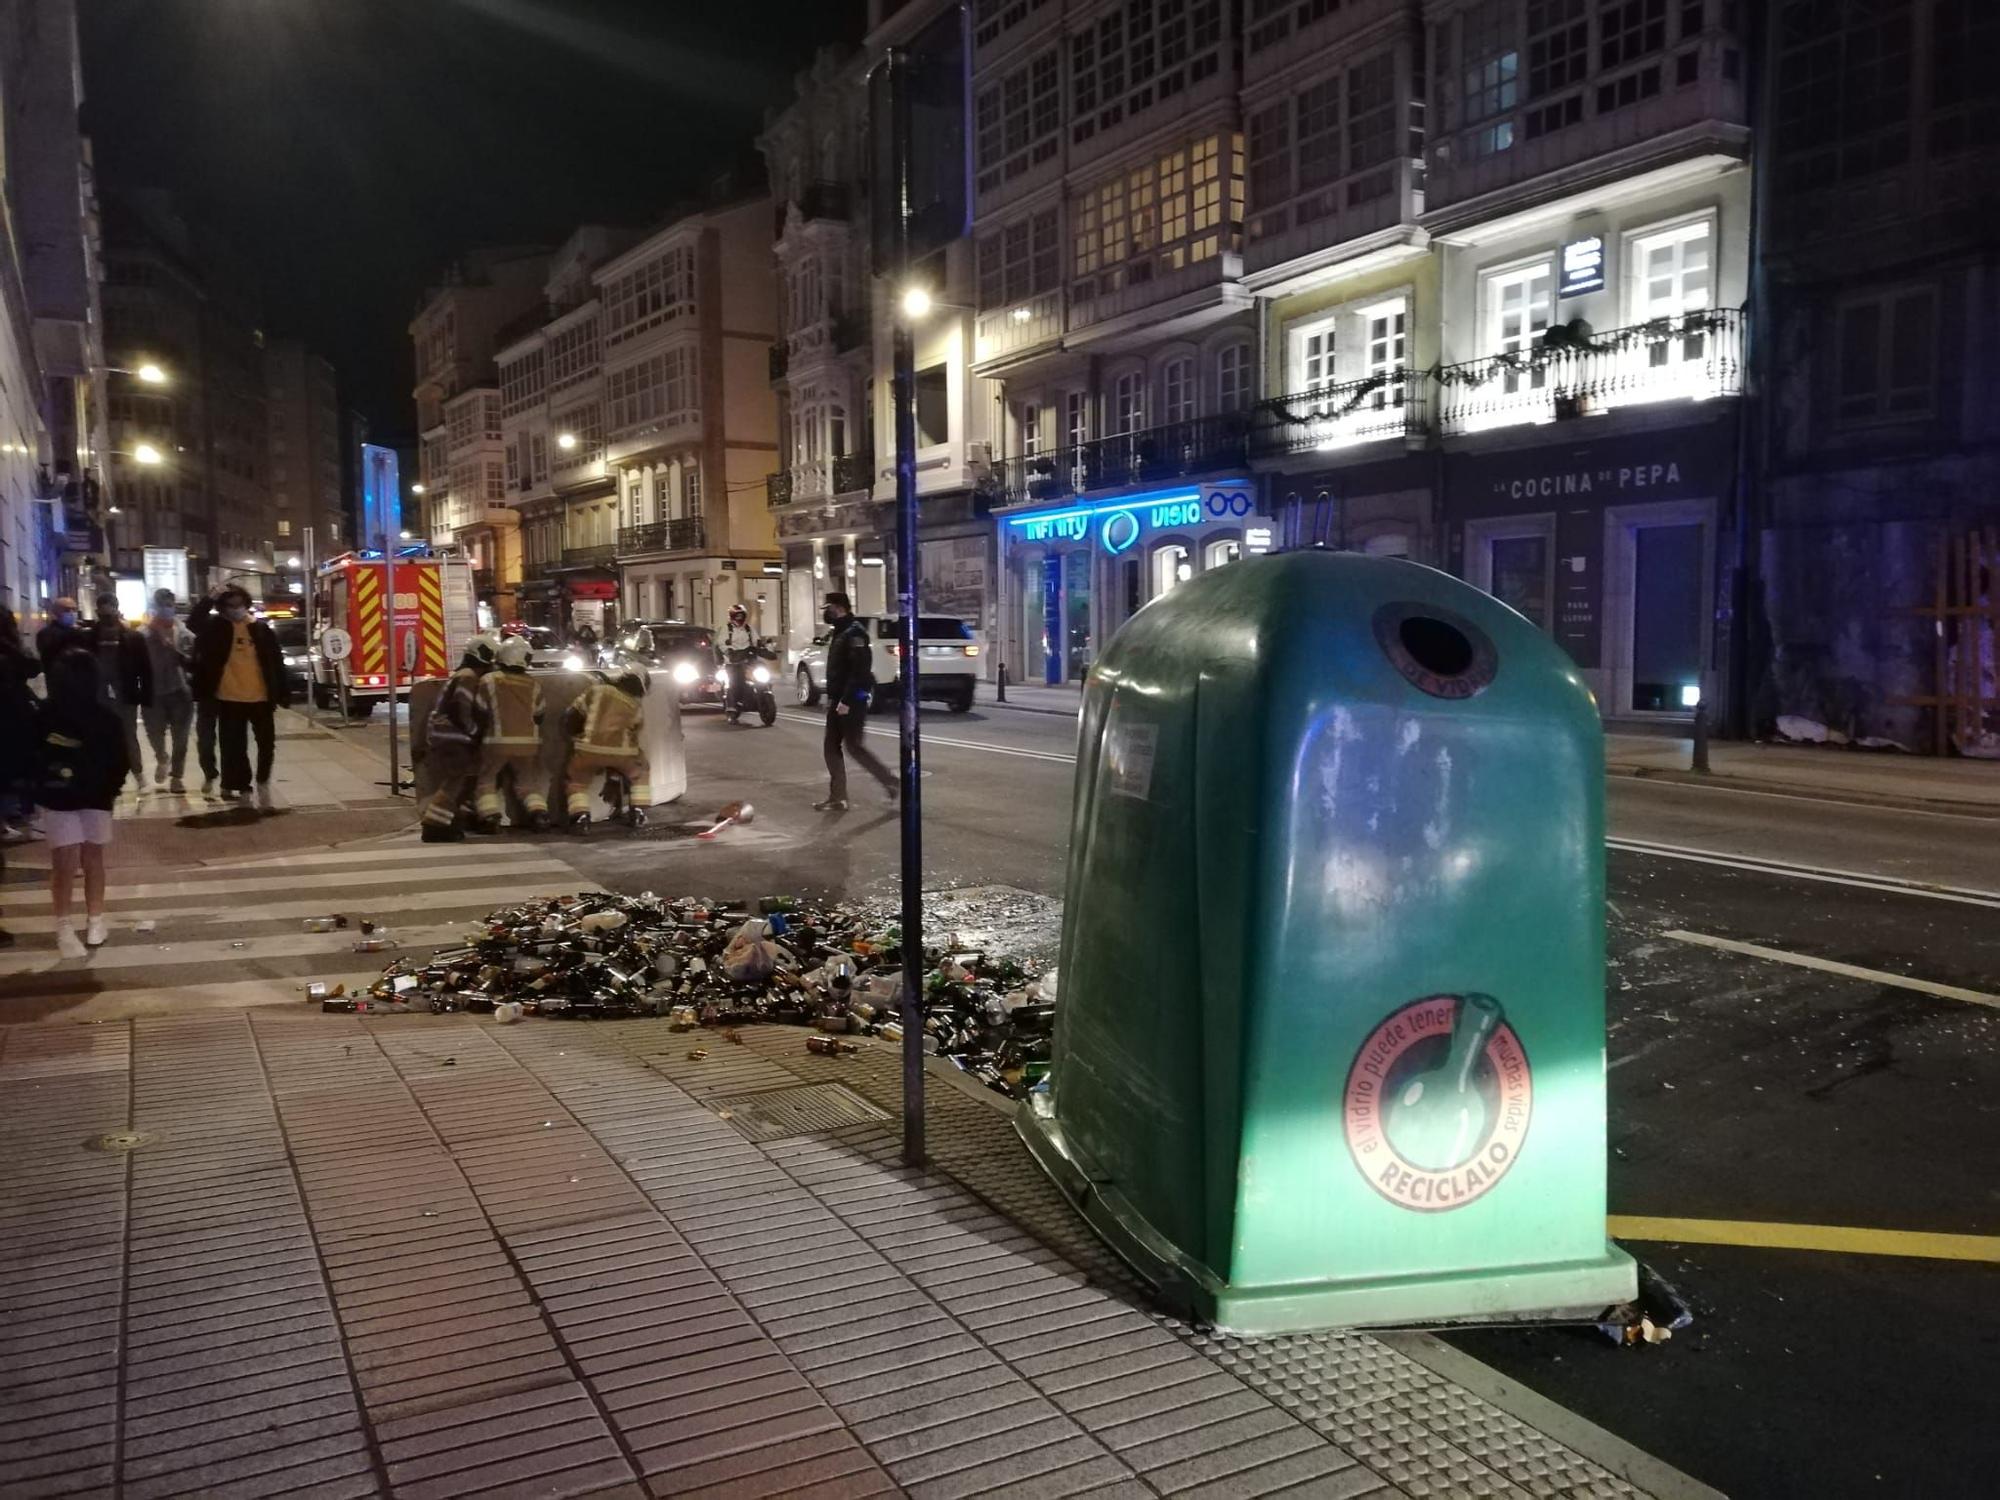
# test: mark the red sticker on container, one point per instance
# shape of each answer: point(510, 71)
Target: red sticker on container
point(1438, 1101)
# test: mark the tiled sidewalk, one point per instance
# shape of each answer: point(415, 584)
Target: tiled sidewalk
point(428, 1256)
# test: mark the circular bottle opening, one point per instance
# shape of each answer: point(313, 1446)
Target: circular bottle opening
point(1436, 645)
point(1437, 650)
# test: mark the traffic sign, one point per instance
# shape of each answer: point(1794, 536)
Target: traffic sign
point(336, 643)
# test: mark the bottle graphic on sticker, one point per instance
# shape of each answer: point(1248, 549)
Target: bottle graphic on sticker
point(1435, 1117)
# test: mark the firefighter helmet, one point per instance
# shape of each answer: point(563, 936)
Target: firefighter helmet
point(513, 653)
point(631, 679)
point(478, 653)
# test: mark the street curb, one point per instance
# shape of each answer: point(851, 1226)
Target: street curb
point(1807, 792)
point(1654, 1476)
point(1029, 708)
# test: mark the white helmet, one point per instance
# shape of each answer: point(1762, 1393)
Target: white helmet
point(513, 653)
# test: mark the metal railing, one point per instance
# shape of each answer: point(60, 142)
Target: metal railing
point(778, 487)
point(535, 572)
point(1179, 449)
point(589, 557)
point(820, 479)
point(853, 471)
point(685, 535)
point(1690, 356)
point(1328, 417)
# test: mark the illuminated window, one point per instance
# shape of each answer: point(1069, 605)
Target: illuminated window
point(1518, 306)
point(1175, 210)
point(1311, 346)
point(1386, 328)
point(649, 295)
point(521, 382)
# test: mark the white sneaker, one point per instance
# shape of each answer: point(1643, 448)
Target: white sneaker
point(95, 934)
point(264, 802)
point(68, 944)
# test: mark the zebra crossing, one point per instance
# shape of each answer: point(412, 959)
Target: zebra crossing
point(227, 933)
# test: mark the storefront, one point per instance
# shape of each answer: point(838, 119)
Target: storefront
point(1073, 572)
point(1612, 547)
point(700, 590)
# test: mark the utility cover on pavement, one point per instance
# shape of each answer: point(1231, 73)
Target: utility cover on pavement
point(808, 1110)
point(116, 1141)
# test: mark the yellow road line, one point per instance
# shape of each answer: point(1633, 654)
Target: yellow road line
point(1833, 1237)
point(1831, 966)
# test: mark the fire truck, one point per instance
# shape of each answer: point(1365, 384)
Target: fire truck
point(436, 614)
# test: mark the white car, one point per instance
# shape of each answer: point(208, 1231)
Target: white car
point(947, 661)
point(546, 652)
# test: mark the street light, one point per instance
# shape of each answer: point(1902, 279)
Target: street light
point(566, 441)
point(916, 303)
point(292, 562)
point(148, 455)
point(417, 489)
point(405, 535)
point(152, 374)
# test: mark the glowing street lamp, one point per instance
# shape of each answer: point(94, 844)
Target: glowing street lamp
point(148, 455)
point(566, 441)
point(151, 374)
point(916, 303)
point(417, 489)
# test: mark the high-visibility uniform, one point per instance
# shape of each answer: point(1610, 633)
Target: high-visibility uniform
point(605, 722)
point(513, 744)
point(452, 737)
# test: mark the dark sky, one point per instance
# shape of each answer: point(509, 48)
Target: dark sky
point(346, 150)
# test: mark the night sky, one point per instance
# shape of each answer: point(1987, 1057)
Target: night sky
point(346, 150)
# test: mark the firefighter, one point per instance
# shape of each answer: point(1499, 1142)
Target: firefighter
point(604, 725)
point(453, 733)
point(513, 704)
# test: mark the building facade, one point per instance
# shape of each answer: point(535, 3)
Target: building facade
point(1880, 456)
point(833, 497)
point(461, 480)
point(306, 462)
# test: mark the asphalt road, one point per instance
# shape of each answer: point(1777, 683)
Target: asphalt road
point(1742, 1087)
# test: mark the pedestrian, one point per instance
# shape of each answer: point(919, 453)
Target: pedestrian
point(850, 684)
point(605, 723)
point(19, 712)
point(126, 669)
point(513, 743)
point(453, 735)
point(240, 674)
point(80, 763)
point(586, 637)
point(170, 648)
point(57, 629)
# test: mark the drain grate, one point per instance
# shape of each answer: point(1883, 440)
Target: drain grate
point(117, 1142)
point(807, 1110)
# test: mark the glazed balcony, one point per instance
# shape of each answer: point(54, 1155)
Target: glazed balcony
point(1691, 357)
point(1178, 450)
point(1328, 418)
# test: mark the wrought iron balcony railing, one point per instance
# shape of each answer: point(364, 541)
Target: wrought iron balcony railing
point(853, 471)
point(1330, 417)
point(589, 557)
point(685, 535)
point(1178, 450)
point(1574, 372)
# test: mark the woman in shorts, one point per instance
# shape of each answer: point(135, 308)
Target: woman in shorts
point(80, 763)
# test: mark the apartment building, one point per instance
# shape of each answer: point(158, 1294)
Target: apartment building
point(834, 496)
point(306, 463)
point(1112, 316)
point(461, 474)
point(690, 420)
point(1879, 145)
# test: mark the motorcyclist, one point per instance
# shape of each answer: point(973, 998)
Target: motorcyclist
point(513, 744)
point(453, 735)
point(739, 649)
point(604, 725)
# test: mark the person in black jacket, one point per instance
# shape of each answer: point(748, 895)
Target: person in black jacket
point(19, 710)
point(59, 629)
point(850, 683)
point(239, 678)
point(126, 668)
point(79, 765)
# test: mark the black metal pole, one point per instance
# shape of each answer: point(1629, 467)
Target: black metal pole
point(905, 392)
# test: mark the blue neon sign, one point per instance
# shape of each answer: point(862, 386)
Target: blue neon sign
point(1120, 523)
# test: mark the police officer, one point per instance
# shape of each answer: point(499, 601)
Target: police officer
point(604, 724)
point(513, 744)
point(452, 736)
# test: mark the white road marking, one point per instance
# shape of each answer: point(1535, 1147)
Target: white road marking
point(1627, 777)
point(1832, 966)
point(1889, 884)
point(271, 884)
point(182, 999)
point(479, 899)
point(957, 744)
point(143, 952)
point(472, 851)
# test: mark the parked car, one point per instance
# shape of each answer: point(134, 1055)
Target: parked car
point(546, 652)
point(297, 651)
point(686, 651)
point(947, 648)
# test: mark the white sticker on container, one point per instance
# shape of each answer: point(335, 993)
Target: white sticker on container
point(1130, 749)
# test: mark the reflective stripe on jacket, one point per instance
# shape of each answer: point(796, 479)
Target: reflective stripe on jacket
point(611, 720)
point(460, 717)
point(513, 705)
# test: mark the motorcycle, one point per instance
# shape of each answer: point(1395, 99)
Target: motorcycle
point(750, 682)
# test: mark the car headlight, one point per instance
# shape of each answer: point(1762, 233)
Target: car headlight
point(760, 674)
point(722, 675)
point(572, 663)
point(685, 672)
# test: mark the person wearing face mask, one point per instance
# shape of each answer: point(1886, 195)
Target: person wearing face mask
point(125, 667)
point(60, 630)
point(170, 646)
point(239, 675)
point(850, 683)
